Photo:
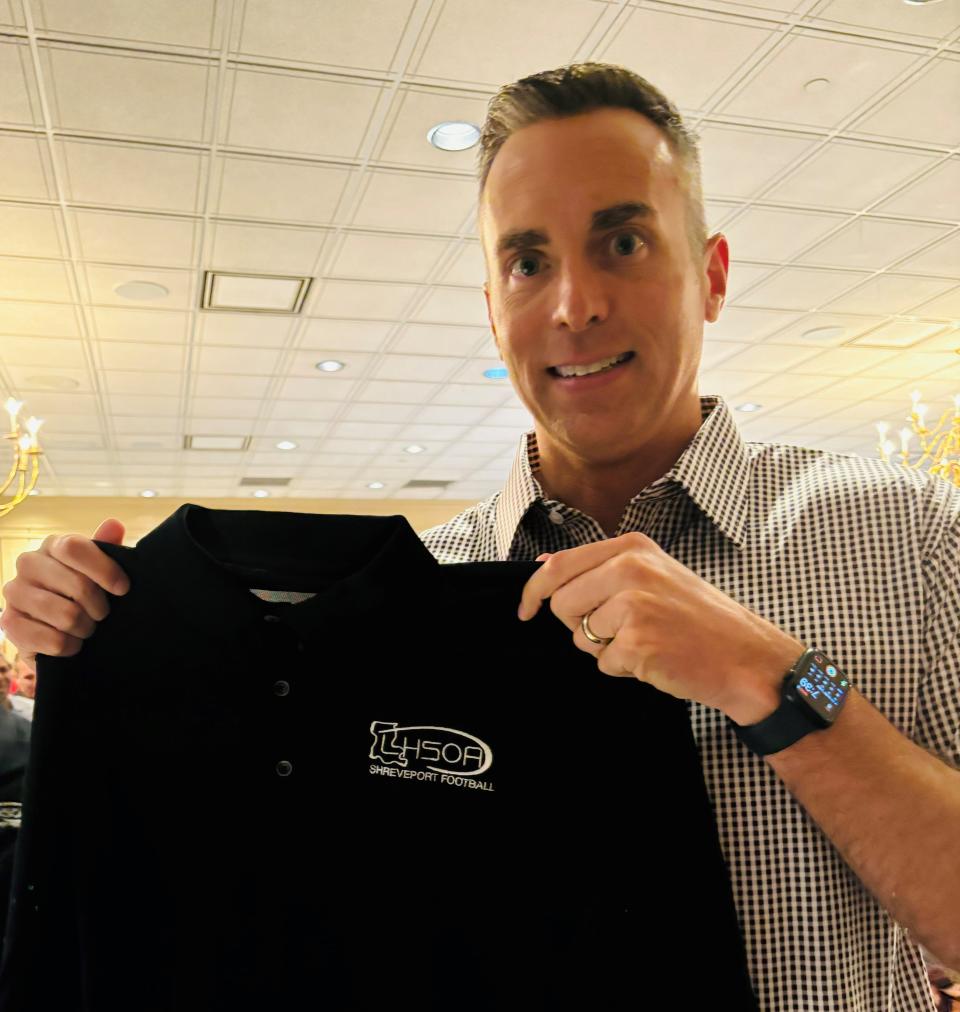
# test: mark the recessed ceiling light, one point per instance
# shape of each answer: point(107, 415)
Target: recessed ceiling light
point(497, 373)
point(375, 484)
point(102, 484)
point(413, 449)
point(141, 291)
point(286, 444)
point(329, 365)
point(261, 493)
point(816, 85)
point(823, 333)
point(920, 3)
point(453, 135)
point(34, 491)
point(148, 493)
point(749, 406)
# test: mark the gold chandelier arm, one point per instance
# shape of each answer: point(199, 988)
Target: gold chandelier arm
point(13, 470)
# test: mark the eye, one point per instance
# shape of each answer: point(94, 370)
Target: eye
point(526, 266)
point(626, 243)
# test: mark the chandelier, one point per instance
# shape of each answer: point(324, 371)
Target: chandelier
point(26, 457)
point(939, 447)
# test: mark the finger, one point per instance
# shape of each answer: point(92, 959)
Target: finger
point(41, 572)
point(32, 637)
point(111, 531)
point(54, 610)
point(83, 556)
point(564, 566)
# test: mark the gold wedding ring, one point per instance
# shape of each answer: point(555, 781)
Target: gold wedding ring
point(591, 635)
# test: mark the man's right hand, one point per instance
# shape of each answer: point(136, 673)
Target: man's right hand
point(57, 597)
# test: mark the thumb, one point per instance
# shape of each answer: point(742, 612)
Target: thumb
point(111, 531)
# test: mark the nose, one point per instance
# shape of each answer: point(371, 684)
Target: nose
point(582, 296)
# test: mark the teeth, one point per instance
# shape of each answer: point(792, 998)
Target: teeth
point(586, 370)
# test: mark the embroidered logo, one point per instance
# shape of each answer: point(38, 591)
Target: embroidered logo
point(426, 752)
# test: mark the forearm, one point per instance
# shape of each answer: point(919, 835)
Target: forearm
point(892, 810)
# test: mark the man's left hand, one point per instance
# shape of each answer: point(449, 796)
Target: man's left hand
point(669, 627)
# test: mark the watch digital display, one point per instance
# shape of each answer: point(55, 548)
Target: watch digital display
point(822, 685)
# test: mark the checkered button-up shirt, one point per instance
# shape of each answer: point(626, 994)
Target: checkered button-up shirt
point(857, 557)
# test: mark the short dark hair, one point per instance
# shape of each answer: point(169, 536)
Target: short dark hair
point(583, 87)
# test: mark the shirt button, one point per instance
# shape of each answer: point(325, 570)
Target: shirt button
point(284, 769)
point(281, 688)
point(555, 516)
point(271, 618)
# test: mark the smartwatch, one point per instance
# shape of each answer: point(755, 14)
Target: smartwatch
point(813, 693)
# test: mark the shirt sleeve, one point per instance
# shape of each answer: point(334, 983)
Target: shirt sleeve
point(938, 711)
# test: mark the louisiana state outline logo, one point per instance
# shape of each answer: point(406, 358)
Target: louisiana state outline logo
point(427, 752)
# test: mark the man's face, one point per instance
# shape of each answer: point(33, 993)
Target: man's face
point(26, 680)
point(585, 235)
point(5, 671)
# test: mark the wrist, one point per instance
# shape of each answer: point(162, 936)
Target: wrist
point(762, 690)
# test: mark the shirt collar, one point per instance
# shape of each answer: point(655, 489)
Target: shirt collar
point(714, 470)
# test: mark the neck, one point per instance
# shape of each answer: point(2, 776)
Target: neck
point(602, 489)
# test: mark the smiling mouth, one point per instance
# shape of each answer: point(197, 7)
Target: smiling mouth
point(590, 369)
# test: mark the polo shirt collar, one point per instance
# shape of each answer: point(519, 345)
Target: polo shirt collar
point(714, 470)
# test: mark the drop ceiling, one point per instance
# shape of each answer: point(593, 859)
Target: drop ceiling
point(158, 141)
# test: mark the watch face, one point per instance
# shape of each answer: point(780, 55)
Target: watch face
point(823, 686)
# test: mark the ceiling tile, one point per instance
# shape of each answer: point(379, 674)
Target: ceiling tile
point(688, 57)
point(136, 238)
point(942, 259)
point(46, 352)
point(846, 361)
point(160, 98)
point(365, 430)
point(340, 33)
point(124, 355)
point(449, 414)
point(467, 268)
point(144, 404)
point(29, 231)
point(143, 382)
point(847, 326)
point(419, 368)
point(320, 388)
point(846, 175)
point(453, 305)
point(175, 23)
point(134, 176)
point(41, 318)
point(246, 361)
point(889, 293)
point(899, 334)
point(762, 233)
point(250, 330)
point(872, 243)
point(279, 190)
point(405, 140)
point(16, 108)
point(793, 385)
point(26, 378)
point(146, 425)
point(930, 21)
point(346, 335)
point(946, 306)
point(362, 299)
point(60, 406)
point(102, 280)
point(222, 407)
point(743, 276)
point(288, 429)
point(26, 171)
point(34, 279)
point(856, 73)
point(387, 257)
point(279, 112)
point(393, 392)
point(432, 435)
point(415, 203)
point(271, 249)
point(803, 288)
point(936, 195)
point(769, 358)
point(212, 385)
point(715, 352)
point(304, 363)
point(153, 326)
point(856, 388)
point(379, 412)
point(737, 162)
point(746, 324)
point(494, 55)
point(430, 339)
point(297, 411)
point(921, 110)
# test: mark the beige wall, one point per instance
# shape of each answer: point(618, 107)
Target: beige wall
point(25, 528)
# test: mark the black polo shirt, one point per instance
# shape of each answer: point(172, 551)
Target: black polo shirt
point(392, 795)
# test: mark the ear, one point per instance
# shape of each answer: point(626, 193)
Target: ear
point(716, 267)
point(493, 326)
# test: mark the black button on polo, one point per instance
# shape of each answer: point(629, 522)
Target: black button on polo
point(281, 688)
point(284, 769)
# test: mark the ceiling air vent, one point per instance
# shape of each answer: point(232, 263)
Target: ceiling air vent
point(253, 293)
point(426, 483)
point(266, 482)
point(216, 442)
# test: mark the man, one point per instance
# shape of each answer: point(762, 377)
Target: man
point(677, 554)
point(25, 680)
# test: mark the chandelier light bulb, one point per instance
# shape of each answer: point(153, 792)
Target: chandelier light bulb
point(905, 436)
point(882, 429)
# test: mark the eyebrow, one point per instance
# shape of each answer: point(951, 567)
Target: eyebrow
point(607, 217)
